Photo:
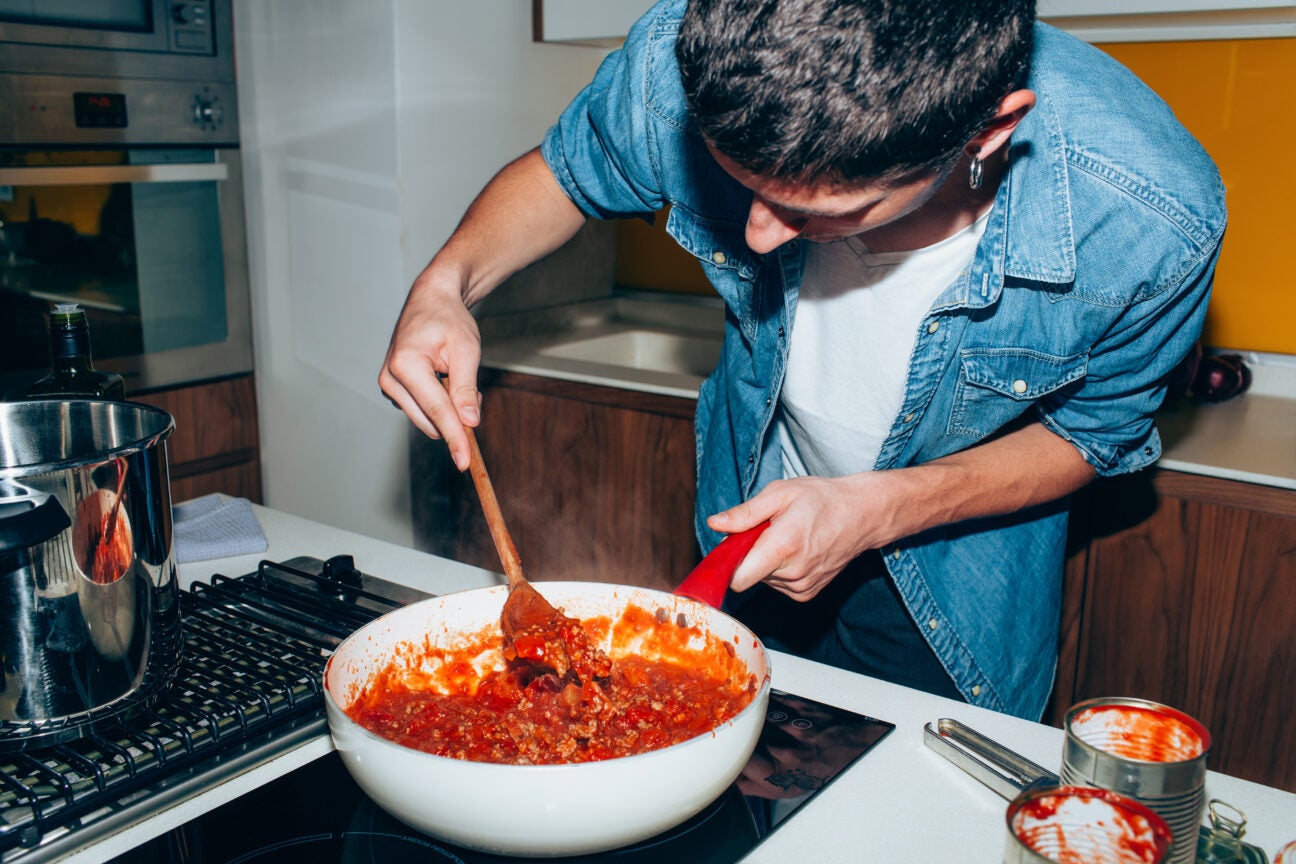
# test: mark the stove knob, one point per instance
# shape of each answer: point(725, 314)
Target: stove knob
point(342, 569)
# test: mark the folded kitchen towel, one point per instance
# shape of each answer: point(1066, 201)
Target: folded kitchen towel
point(216, 526)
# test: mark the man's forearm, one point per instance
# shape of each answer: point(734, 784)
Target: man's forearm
point(1021, 469)
point(521, 216)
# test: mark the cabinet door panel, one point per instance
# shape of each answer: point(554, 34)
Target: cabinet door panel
point(215, 446)
point(1192, 605)
point(239, 481)
point(1133, 629)
point(1255, 699)
point(593, 487)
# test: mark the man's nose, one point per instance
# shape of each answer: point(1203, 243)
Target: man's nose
point(767, 230)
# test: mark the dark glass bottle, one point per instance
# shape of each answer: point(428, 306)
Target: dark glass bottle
point(73, 375)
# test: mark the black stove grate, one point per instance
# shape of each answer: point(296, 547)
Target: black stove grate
point(253, 657)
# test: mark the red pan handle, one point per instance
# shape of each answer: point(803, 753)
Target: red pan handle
point(710, 578)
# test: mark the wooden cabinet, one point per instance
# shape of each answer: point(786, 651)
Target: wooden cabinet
point(596, 483)
point(215, 446)
point(1182, 589)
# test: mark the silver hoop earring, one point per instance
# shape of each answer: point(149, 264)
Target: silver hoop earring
point(975, 172)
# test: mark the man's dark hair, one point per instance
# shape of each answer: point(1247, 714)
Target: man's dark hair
point(849, 90)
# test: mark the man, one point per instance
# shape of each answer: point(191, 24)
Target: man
point(1011, 243)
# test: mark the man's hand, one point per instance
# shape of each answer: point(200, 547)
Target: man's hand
point(818, 525)
point(436, 334)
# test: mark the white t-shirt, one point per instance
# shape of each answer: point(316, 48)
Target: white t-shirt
point(857, 318)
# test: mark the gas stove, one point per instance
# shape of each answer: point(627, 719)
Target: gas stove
point(249, 689)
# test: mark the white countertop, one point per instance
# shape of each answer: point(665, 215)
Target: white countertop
point(1251, 438)
point(901, 802)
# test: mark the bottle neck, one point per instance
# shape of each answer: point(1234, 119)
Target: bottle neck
point(70, 346)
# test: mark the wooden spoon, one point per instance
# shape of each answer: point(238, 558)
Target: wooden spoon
point(526, 611)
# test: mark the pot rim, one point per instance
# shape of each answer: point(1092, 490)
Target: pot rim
point(99, 457)
point(1146, 705)
point(1162, 839)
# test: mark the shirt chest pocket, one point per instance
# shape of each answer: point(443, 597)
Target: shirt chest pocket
point(995, 385)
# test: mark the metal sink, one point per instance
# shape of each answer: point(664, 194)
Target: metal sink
point(666, 346)
point(643, 349)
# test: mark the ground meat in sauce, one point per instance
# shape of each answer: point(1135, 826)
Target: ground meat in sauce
point(516, 716)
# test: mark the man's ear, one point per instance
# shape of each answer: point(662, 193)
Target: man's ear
point(1015, 106)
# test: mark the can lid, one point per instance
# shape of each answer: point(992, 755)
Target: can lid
point(28, 522)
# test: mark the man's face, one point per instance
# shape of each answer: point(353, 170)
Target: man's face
point(823, 212)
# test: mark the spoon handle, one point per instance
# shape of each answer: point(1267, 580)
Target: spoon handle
point(710, 579)
point(494, 517)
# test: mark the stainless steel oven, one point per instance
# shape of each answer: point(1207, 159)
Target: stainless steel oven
point(121, 188)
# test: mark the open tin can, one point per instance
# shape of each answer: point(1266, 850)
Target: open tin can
point(1048, 822)
point(1146, 751)
point(1083, 825)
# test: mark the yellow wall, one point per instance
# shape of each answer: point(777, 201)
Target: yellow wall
point(1238, 97)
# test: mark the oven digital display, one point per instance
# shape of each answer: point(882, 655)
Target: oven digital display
point(100, 110)
point(129, 15)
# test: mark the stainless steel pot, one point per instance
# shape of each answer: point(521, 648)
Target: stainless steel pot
point(80, 649)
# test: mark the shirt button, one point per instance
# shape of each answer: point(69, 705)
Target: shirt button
point(1019, 386)
point(933, 327)
point(908, 418)
point(932, 624)
point(718, 257)
point(896, 555)
point(976, 690)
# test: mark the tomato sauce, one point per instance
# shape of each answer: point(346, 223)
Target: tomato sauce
point(1134, 732)
point(664, 683)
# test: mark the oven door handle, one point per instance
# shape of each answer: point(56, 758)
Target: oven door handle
point(69, 175)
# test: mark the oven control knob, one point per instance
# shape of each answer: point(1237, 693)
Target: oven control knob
point(189, 13)
point(207, 112)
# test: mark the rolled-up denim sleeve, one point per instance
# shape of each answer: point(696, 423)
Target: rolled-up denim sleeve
point(1108, 415)
point(601, 148)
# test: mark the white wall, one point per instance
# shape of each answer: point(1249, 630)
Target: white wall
point(368, 126)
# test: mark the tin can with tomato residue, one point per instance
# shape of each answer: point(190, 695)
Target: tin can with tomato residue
point(1083, 825)
point(1146, 751)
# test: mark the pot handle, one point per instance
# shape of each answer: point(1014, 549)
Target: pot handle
point(710, 579)
point(28, 522)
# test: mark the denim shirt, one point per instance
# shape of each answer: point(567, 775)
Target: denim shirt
point(1089, 284)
